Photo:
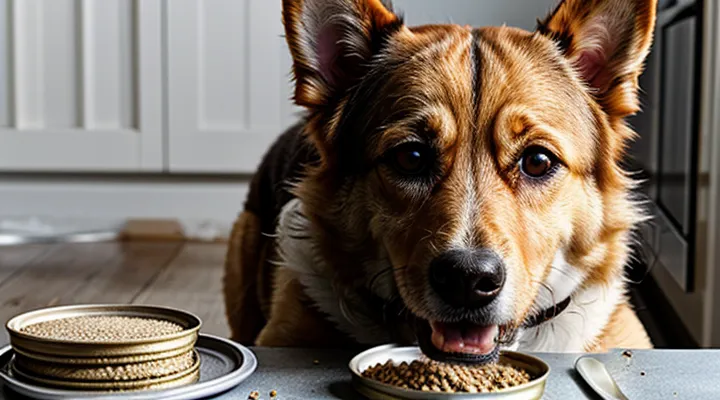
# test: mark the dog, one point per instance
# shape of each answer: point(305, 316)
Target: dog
point(453, 187)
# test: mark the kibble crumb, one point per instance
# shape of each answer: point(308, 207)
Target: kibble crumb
point(627, 354)
point(432, 376)
point(273, 393)
point(254, 395)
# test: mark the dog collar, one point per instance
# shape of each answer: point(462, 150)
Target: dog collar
point(546, 314)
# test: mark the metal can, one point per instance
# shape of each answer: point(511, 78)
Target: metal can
point(106, 347)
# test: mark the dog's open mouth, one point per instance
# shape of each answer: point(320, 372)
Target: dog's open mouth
point(464, 338)
point(462, 342)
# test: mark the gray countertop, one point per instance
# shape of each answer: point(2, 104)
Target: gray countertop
point(654, 374)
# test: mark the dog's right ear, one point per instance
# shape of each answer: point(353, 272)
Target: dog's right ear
point(331, 42)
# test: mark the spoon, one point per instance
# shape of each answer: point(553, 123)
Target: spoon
point(598, 377)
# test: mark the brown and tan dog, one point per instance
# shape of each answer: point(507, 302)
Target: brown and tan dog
point(460, 187)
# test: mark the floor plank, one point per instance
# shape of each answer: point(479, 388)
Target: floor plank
point(83, 273)
point(13, 258)
point(193, 282)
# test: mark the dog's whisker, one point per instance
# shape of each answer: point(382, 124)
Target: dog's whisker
point(581, 315)
point(574, 279)
point(299, 237)
point(549, 289)
point(434, 248)
point(428, 236)
point(593, 301)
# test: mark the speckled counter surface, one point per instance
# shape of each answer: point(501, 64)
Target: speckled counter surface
point(652, 375)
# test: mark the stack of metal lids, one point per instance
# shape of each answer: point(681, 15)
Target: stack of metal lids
point(106, 347)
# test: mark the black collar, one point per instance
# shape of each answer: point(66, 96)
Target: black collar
point(547, 314)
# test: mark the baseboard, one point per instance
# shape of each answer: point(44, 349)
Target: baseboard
point(191, 208)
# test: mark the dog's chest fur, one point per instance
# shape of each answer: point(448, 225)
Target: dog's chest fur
point(574, 330)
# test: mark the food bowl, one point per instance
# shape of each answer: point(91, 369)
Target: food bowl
point(105, 347)
point(536, 368)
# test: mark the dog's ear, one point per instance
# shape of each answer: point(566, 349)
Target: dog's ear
point(331, 42)
point(607, 41)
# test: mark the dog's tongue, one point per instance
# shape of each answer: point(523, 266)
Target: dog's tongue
point(464, 338)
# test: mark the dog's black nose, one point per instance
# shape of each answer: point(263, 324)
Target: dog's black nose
point(467, 278)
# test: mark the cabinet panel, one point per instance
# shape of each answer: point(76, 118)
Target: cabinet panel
point(228, 87)
point(83, 85)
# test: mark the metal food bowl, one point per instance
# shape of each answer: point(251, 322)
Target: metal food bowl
point(535, 367)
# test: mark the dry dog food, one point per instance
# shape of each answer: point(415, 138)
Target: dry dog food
point(430, 376)
point(102, 328)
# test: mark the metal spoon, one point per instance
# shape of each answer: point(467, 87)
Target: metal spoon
point(598, 377)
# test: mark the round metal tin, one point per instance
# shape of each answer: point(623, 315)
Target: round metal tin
point(102, 373)
point(223, 365)
point(59, 348)
point(375, 390)
point(90, 361)
point(178, 379)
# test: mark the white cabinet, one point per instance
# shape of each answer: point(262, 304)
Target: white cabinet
point(141, 85)
point(81, 85)
point(228, 83)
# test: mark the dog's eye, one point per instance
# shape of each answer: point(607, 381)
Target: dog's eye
point(411, 158)
point(537, 162)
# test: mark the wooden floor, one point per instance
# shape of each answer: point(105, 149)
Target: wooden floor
point(185, 276)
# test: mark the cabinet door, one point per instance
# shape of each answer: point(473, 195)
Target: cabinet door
point(228, 83)
point(81, 85)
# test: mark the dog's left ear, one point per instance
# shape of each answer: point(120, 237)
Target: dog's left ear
point(607, 41)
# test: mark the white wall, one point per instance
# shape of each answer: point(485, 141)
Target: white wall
point(518, 13)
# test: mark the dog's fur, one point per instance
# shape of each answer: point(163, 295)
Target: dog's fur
point(332, 234)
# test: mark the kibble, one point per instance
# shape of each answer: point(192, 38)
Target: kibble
point(254, 395)
point(102, 329)
point(432, 376)
point(273, 393)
